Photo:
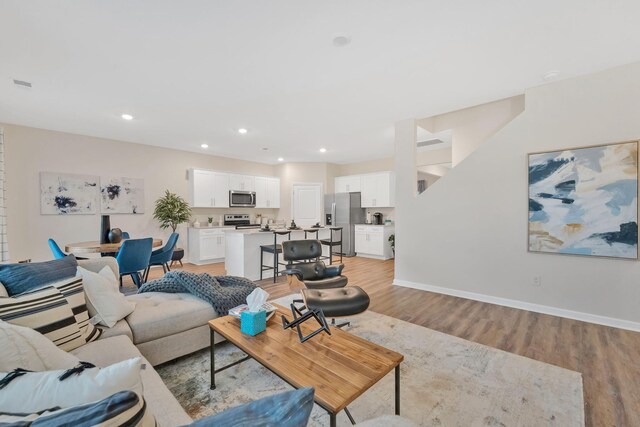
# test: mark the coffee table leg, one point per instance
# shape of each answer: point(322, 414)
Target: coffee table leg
point(332, 420)
point(398, 390)
point(213, 363)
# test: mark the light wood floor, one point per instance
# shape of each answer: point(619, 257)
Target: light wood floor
point(608, 358)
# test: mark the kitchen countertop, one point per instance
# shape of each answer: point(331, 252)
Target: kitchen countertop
point(205, 227)
point(257, 230)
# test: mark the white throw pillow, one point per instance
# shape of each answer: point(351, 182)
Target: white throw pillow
point(37, 391)
point(106, 304)
point(25, 348)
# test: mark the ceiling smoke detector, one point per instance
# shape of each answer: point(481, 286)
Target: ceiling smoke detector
point(430, 142)
point(22, 83)
point(341, 40)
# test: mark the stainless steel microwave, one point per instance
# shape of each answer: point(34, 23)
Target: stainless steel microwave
point(242, 199)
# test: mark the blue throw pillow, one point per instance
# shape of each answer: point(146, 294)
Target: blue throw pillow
point(20, 278)
point(289, 409)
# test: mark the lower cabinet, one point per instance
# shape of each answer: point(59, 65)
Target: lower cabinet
point(372, 241)
point(206, 246)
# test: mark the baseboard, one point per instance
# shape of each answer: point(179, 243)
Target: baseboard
point(537, 308)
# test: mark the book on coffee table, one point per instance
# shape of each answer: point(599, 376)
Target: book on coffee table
point(237, 311)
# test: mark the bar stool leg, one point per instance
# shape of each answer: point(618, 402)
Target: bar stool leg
point(261, 262)
point(275, 263)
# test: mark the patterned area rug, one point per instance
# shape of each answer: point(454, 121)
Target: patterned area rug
point(445, 381)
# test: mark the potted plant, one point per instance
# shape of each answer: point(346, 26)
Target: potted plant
point(210, 219)
point(392, 241)
point(172, 210)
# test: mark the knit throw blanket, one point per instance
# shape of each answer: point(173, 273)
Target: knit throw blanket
point(222, 292)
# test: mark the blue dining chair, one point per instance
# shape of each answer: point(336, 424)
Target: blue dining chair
point(125, 235)
point(133, 257)
point(57, 252)
point(163, 255)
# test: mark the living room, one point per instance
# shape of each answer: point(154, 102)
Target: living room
point(269, 154)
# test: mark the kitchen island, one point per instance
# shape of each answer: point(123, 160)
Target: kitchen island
point(242, 251)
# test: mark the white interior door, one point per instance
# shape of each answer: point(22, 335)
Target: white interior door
point(307, 204)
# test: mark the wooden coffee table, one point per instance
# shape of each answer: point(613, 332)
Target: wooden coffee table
point(340, 366)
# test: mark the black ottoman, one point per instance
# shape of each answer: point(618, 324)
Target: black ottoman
point(339, 302)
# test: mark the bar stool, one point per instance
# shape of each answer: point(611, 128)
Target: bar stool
point(274, 249)
point(331, 242)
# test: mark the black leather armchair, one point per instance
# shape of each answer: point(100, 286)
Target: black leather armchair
point(303, 264)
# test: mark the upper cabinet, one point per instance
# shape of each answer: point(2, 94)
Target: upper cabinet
point(348, 184)
point(241, 182)
point(208, 189)
point(267, 192)
point(377, 189)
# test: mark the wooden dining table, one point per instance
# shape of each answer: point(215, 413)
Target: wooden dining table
point(96, 247)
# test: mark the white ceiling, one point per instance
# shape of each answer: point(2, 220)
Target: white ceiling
point(195, 71)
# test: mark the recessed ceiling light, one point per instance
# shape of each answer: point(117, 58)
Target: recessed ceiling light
point(280, 159)
point(341, 40)
point(242, 131)
point(550, 75)
point(127, 116)
point(323, 150)
point(204, 145)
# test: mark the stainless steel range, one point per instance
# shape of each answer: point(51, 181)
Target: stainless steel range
point(240, 221)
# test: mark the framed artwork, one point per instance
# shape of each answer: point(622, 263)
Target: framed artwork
point(122, 196)
point(68, 194)
point(584, 201)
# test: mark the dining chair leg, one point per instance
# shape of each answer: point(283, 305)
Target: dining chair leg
point(164, 269)
point(168, 267)
point(145, 275)
point(180, 261)
point(121, 280)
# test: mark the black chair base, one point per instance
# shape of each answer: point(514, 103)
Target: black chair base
point(165, 268)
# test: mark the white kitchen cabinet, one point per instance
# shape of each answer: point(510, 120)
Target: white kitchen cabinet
point(267, 192)
point(347, 184)
point(372, 241)
point(378, 190)
point(241, 182)
point(208, 189)
point(206, 246)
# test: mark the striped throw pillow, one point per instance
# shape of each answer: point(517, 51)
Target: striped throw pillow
point(124, 408)
point(73, 291)
point(47, 311)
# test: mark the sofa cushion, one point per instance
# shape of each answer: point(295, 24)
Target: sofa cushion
point(24, 277)
point(25, 348)
point(39, 391)
point(161, 402)
point(124, 408)
point(73, 290)
point(158, 315)
point(120, 328)
point(106, 304)
point(288, 409)
point(48, 312)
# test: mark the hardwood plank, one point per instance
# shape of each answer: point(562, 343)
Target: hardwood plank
point(606, 357)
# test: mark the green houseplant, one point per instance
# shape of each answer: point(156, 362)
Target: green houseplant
point(171, 210)
point(392, 241)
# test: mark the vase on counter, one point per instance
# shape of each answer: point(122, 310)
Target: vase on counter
point(196, 224)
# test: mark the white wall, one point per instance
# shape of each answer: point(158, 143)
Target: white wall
point(29, 151)
point(467, 235)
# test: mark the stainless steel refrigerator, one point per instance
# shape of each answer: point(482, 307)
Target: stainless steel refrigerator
point(346, 211)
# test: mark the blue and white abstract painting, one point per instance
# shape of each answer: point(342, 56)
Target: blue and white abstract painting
point(584, 201)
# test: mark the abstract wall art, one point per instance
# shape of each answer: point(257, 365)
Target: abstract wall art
point(122, 195)
point(584, 201)
point(62, 194)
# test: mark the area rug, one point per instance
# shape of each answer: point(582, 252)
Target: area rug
point(445, 381)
